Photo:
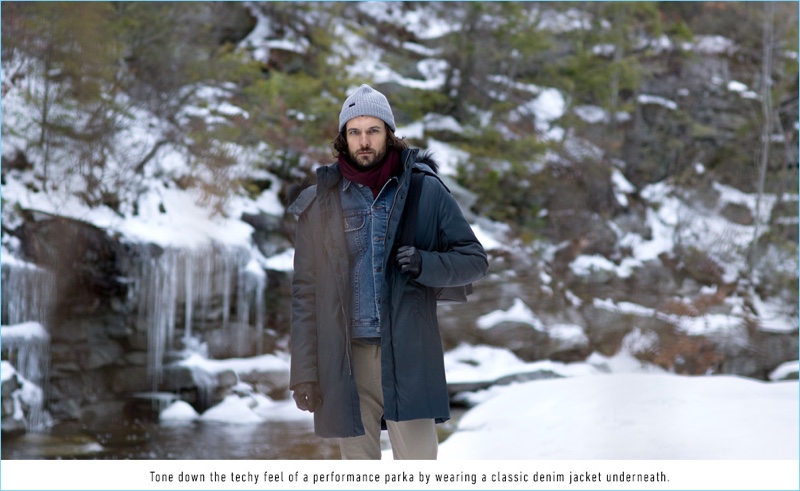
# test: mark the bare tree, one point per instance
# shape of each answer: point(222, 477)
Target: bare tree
point(768, 37)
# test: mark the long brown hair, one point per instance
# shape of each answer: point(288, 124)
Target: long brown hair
point(392, 142)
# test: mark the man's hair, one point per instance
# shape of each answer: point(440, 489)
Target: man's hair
point(392, 142)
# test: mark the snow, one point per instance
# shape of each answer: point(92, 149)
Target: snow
point(772, 316)
point(261, 363)
point(185, 223)
point(487, 240)
point(7, 370)
point(244, 405)
point(622, 187)
point(590, 265)
point(232, 409)
point(621, 184)
point(742, 89)
point(731, 326)
point(519, 312)
point(178, 411)
point(591, 114)
point(560, 22)
point(568, 336)
point(659, 101)
point(441, 122)
point(714, 45)
point(28, 396)
point(470, 364)
point(281, 262)
point(632, 416)
point(27, 331)
point(447, 156)
point(784, 370)
point(419, 20)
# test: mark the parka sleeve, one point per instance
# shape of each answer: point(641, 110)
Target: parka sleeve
point(303, 344)
point(461, 258)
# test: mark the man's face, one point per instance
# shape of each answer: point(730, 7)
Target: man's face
point(366, 141)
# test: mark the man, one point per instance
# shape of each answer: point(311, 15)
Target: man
point(365, 344)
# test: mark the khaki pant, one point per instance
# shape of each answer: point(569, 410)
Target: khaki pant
point(415, 440)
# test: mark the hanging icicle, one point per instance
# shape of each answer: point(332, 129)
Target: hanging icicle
point(184, 295)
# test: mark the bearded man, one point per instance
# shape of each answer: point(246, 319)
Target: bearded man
point(366, 352)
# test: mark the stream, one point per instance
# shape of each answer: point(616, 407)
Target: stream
point(173, 441)
point(190, 440)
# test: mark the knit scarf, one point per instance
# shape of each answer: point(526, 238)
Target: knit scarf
point(376, 177)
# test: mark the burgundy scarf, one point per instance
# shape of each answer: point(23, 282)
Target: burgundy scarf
point(376, 177)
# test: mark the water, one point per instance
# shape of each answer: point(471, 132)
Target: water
point(149, 440)
point(139, 440)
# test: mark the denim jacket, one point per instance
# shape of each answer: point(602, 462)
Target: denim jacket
point(365, 224)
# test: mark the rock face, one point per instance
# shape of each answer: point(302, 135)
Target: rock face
point(86, 262)
point(119, 315)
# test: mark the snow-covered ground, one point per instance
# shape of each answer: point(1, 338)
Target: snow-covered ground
point(604, 408)
point(632, 416)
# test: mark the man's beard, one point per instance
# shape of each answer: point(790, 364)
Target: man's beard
point(367, 162)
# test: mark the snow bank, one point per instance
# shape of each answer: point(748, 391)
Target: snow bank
point(632, 416)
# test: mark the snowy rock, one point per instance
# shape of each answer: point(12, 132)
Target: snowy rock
point(21, 403)
point(233, 409)
point(786, 371)
point(13, 421)
point(179, 411)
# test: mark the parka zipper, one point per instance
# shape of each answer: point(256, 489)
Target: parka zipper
point(406, 177)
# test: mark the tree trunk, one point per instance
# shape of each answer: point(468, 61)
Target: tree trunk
point(767, 112)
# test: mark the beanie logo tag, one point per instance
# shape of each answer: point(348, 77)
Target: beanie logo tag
point(351, 105)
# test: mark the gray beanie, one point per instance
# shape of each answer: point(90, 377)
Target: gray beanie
point(366, 101)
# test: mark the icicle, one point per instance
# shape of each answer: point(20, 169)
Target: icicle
point(242, 309)
point(171, 295)
point(204, 280)
point(257, 280)
point(226, 293)
point(189, 298)
point(27, 294)
point(27, 347)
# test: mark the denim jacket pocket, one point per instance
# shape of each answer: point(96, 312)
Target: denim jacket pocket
point(356, 232)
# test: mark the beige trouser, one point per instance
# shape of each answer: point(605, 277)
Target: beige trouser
point(415, 439)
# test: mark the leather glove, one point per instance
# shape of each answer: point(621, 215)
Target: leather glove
point(410, 260)
point(306, 396)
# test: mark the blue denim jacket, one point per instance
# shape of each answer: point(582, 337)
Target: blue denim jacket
point(365, 223)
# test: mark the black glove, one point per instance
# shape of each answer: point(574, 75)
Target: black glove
point(410, 260)
point(306, 396)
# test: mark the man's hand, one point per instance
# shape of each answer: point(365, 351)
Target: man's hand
point(410, 260)
point(306, 396)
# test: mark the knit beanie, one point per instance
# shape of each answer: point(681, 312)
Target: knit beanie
point(366, 101)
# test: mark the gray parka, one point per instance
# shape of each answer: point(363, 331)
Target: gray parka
point(414, 385)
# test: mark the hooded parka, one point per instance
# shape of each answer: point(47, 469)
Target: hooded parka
point(412, 362)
